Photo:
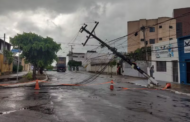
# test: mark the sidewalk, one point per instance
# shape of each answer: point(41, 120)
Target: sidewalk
point(175, 87)
point(14, 83)
point(11, 76)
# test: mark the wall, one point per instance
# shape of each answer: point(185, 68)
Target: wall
point(158, 54)
point(184, 29)
point(5, 67)
point(78, 57)
point(96, 61)
point(131, 72)
point(26, 67)
point(165, 32)
point(183, 58)
point(108, 70)
point(134, 42)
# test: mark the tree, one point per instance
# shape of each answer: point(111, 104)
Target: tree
point(112, 64)
point(139, 54)
point(37, 50)
point(49, 67)
point(74, 63)
point(8, 56)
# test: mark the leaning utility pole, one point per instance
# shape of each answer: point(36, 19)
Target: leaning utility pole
point(114, 50)
point(4, 47)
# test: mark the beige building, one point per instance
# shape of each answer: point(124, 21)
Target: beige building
point(155, 34)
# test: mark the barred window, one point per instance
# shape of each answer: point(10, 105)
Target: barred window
point(161, 66)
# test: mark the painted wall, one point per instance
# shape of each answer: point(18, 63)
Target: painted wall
point(26, 67)
point(161, 53)
point(107, 70)
point(134, 42)
point(184, 56)
point(5, 67)
point(131, 72)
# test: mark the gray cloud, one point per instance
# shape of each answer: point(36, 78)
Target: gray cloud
point(61, 19)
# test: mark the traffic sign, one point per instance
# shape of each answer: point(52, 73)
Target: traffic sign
point(16, 50)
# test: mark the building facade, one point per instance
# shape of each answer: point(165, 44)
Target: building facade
point(96, 62)
point(77, 57)
point(165, 60)
point(184, 59)
point(182, 23)
point(5, 68)
point(155, 34)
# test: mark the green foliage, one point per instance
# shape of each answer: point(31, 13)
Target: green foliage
point(28, 76)
point(113, 63)
point(139, 54)
point(74, 63)
point(15, 68)
point(9, 56)
point(49, 67)
point(37, 50)
point(20, 68)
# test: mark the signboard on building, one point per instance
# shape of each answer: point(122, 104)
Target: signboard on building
point(165, 51)
point(187, 46)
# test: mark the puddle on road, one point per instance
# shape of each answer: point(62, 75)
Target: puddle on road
point(38, 108)
point(42, 109)
point(139, 110)
point(185, 100)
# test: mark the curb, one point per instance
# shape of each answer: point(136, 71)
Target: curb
point(30, 83)
point(170, 90)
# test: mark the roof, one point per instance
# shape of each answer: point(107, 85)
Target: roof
point(182, 8)
point(146, 19)
point(5, 42)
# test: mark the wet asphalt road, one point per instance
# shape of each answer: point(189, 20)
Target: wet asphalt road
point(91, 103)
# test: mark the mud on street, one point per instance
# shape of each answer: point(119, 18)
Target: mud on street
point(91, 103)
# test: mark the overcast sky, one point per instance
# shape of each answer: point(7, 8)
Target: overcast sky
point(62, 19)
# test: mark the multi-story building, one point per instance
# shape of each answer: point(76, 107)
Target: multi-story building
point(182, 23)
point(154, 34)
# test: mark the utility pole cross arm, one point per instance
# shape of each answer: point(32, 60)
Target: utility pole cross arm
point(153, 81)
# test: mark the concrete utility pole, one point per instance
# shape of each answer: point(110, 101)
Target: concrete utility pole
point(4, 41)
point(71, 52)
point(114, 50)
point(4, 47)
point(143, 29)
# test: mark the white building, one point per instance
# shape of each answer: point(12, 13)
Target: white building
point(165, 60)
point(95, 62)
point(78, 57)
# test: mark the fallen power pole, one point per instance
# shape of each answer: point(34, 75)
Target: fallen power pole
point(114, 50)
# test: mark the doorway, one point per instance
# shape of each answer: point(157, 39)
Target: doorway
point(175, 70)
point(188, 72)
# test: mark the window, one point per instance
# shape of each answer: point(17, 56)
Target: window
point(171, 38)
point(160, 26)
point(142, 39)
point(75, 56)
point(160, 39)
point(152, 41)
point(8, 47)
point(170, 27)
point(152, 29)
point(179, 29)
point(161, 66)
